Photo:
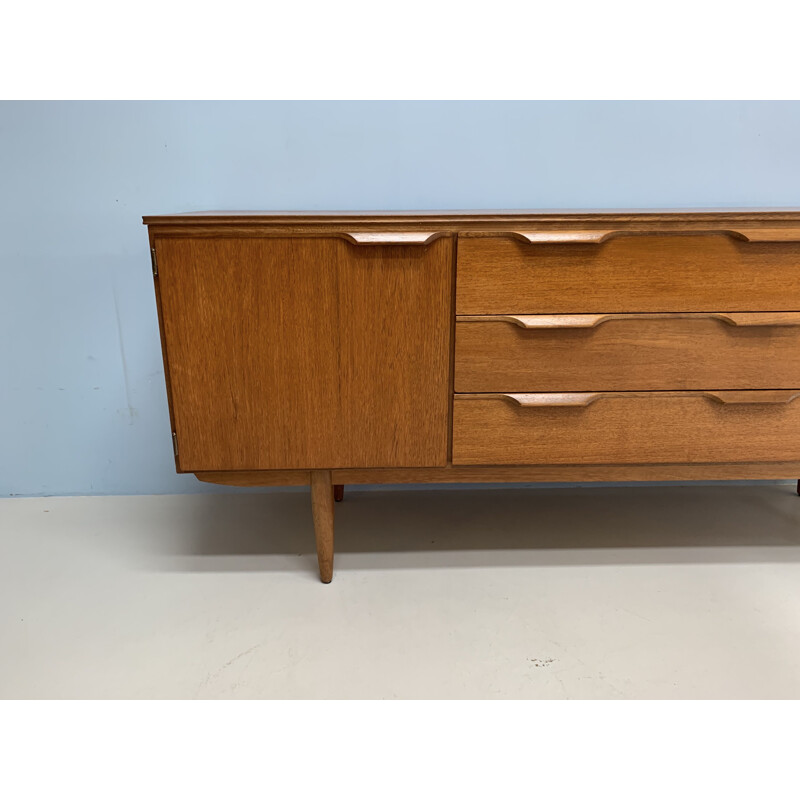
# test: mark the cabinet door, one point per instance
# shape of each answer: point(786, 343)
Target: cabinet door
point(306, 353)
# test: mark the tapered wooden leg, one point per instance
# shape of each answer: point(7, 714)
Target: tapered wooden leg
point(798, 487)
point(322, 510)
point(338, 492)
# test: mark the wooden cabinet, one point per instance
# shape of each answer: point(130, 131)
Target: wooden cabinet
point(326, 349)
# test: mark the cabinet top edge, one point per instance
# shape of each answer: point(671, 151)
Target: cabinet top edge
point(453, 217)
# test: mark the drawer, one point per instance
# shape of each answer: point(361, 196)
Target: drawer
point(570, 272)
point(627, 427)
point(585, 352)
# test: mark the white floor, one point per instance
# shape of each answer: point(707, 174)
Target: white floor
point(641, 592)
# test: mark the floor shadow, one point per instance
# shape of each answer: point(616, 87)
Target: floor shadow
point(491, 527)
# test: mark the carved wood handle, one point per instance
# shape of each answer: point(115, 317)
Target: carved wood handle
point(541, 399)
point(600, 236)
point(761, 397)
point(566, 321)
point(393, 237)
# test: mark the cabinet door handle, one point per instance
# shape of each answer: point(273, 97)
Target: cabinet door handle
point(600, 236)
point(567, 321)
point(539, 399)
point(762, 397)
point(392, 237)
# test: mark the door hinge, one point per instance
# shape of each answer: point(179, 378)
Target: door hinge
point(154, 261)
point(175, 443)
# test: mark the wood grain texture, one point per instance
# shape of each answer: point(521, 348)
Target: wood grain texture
point(627, 352)
point(307, 353)
point(559, 473)
point(626, 428)
point(322, 510)
point(501, 275)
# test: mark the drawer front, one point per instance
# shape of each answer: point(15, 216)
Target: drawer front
point(625, 273)
point(627, 352)
point(627, 428)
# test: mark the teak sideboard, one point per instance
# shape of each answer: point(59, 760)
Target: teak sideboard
point(342, 348)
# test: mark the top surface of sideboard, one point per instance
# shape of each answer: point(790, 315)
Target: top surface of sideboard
point(488, 213)
point(778, 224)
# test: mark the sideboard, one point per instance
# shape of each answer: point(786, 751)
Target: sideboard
point(326, 349)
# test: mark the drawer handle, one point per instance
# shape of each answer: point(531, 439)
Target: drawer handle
point(393, 237)
point(566, 321)
point(600, 236)
point(762, 397)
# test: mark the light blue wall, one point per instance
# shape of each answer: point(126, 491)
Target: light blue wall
point(82, 401)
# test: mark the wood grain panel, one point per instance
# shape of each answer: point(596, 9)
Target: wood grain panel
point(306, 353)
point(645, 352)
point(503, 275)
point(627, 428)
